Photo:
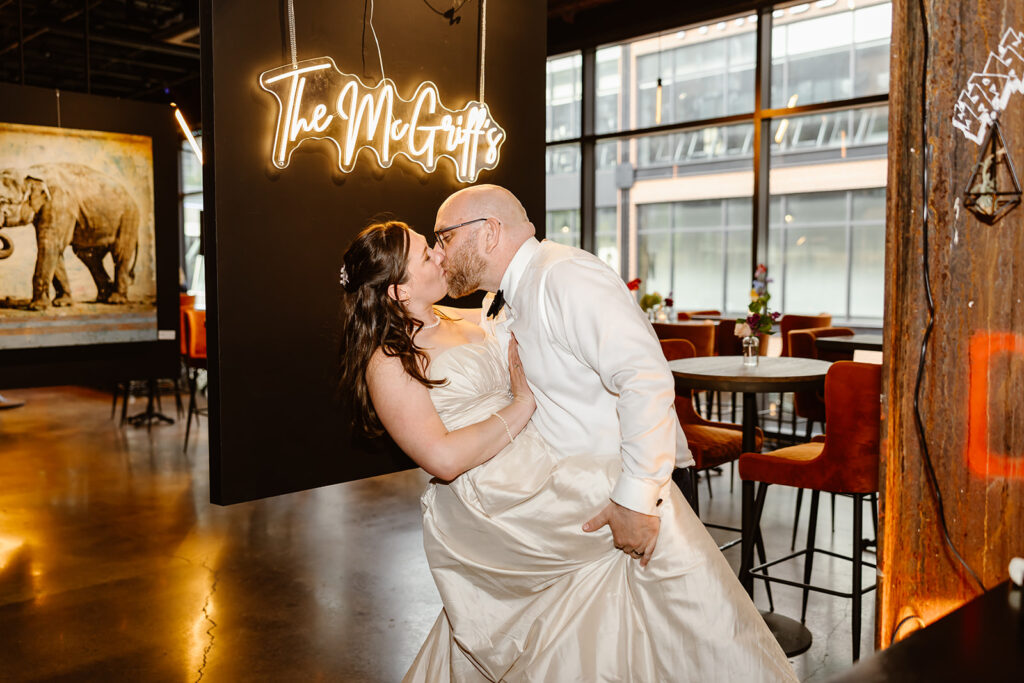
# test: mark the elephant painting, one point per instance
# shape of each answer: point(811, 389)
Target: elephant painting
point(77, 206)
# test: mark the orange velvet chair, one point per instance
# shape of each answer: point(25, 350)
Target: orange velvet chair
point(700, 334)
point(194, 338)
point(788, 323)
point(844, 460)
point(810, 405)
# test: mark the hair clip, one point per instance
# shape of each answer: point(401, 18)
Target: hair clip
point(343, 276)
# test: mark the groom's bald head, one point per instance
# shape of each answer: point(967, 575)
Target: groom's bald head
point(492, 244)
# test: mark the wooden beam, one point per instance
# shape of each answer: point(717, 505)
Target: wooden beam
point(973, 369)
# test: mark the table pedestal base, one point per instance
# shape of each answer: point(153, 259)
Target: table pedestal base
point(793, 636)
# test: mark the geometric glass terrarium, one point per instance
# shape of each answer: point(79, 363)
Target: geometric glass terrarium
point(993, 190)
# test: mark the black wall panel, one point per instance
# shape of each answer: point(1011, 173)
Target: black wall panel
point(275, 238)
point(107, 363)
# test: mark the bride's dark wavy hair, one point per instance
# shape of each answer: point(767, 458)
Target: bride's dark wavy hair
point(371, 319)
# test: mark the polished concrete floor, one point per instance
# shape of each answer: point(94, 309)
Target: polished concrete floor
point(115, 567)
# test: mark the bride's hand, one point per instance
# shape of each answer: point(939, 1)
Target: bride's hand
point(521, 391)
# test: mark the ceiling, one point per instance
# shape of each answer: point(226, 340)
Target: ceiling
point(137, 49)
point(149, 49)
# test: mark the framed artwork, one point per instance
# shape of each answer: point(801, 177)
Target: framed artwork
point(77, 240)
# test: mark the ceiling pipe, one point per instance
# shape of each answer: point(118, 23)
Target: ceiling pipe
point(184, 53)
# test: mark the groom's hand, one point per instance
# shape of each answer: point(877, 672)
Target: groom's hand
point(634, 533)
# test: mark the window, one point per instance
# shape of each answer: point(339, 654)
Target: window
point(191, 183)
point(674, 206)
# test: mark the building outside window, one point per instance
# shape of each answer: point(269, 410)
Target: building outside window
point(192, 264)
point(675, 207)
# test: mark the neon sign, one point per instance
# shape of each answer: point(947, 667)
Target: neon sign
point(316, 101)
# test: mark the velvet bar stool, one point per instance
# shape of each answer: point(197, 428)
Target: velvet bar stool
point(810, 405)
point(195, 360)
point(843, 460)
point(787, 324)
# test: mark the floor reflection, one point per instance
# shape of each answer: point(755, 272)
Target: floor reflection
point(114, 566)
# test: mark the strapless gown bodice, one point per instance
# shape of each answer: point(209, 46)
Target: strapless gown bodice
point(477, 382)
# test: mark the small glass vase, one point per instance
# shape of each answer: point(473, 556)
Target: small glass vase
point(751, 351)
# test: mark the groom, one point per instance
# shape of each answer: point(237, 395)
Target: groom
point(600, 379)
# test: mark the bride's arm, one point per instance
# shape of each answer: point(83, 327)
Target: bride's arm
point(404, 408)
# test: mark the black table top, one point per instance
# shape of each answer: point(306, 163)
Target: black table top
point(981, 641)
point(727, 373)
point(856, 342)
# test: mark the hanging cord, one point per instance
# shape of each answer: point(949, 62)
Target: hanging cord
point(291, 33)
point(926, 189)
point(373, 32)
point(482, 46)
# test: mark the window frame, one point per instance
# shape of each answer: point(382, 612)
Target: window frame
point(761, 118)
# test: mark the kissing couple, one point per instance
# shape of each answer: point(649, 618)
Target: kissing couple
point(560, 546)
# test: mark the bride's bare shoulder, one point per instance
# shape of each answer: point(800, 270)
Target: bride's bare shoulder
point(383, 367)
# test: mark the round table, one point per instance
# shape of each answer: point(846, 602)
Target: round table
point(728, 373)
point(851, 343)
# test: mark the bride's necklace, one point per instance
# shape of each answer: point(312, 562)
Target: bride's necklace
point(437, 321)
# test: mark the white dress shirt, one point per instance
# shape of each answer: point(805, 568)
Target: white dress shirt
point(596, 367)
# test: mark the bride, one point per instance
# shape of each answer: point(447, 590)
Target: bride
point(527, 594)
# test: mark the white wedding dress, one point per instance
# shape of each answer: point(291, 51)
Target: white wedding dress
point(528, 596)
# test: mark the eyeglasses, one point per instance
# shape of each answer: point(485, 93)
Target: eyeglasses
point(439, 234)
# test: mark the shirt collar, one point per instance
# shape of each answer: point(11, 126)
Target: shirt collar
point(516, 268)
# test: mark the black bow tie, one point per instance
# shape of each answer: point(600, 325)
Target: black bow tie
point(497, 304)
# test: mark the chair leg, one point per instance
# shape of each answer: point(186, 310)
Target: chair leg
point(858, 513)
point(732, 475)
point(707, 479)
point(833, 513)
point(874, 514)
point(810, 429)
point(732, 414)
point(695, 491)
point(113, 406)
point(177, 397)
point(812, 525)
point(191, 406)
point(778, 416)
point(796, 517)
point(124, 402)
point(792, 422)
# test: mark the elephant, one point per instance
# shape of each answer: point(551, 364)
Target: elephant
point(72, 204)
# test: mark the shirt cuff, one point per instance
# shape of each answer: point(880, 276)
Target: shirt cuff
point(639, 495)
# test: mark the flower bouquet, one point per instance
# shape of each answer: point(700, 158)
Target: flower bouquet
point(760, 320)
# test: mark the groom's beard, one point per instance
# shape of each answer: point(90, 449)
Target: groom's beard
point(465, 271)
